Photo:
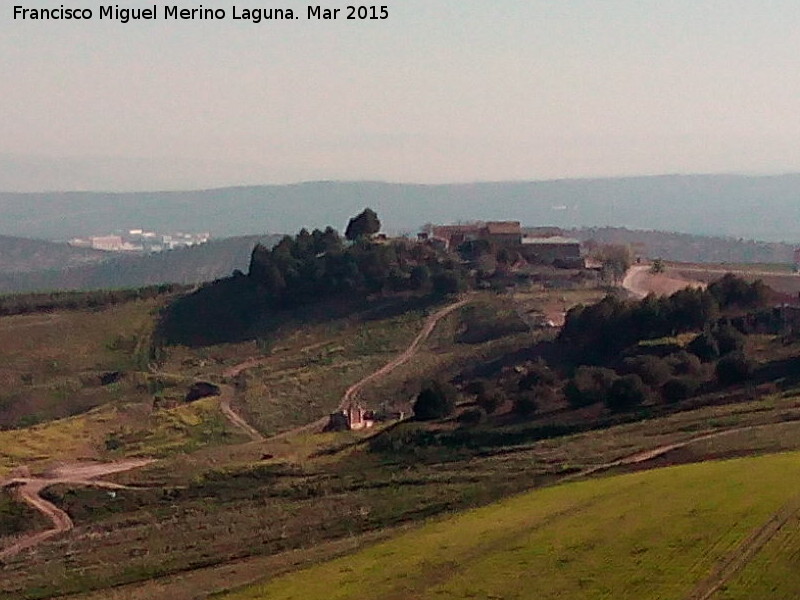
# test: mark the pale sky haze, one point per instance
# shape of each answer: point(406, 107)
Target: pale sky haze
point(442, 91)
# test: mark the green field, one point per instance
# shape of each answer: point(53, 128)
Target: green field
point(655, 534)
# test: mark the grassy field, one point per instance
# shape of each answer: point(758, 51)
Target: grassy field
point(648, 535)
point(306, 379)
point(264, 509)
point(211, 503)
point(772, 573)
point(50, 363)
point(110, 432)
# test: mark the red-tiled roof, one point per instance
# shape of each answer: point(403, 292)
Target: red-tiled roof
point(503, 227)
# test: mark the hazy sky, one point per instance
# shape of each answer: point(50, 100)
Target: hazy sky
point(443, 90)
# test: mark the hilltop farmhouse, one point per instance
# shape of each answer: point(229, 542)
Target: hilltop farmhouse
point(548, 249)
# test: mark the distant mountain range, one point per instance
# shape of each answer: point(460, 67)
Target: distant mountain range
point(762, 208)
point(682, 247)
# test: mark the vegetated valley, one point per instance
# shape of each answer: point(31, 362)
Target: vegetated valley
point(363, 417)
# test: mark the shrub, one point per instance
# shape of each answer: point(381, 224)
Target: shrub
point(528, 402)
point(654, 371)
point(478, 387)
point(684, 363)
point(447, 283)
point(704, 346)
point(733, 368)
point(679, 388)
point(729, 339)
point(491, 401)
point(589, 385)
point(538, 374)
point(435, 401)
point(525, 404)
point(201, 389)
point(627, 392)
point(470, 417)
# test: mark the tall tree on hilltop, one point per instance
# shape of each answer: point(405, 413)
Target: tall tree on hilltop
point(364, 224)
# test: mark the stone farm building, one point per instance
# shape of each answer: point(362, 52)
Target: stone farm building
point(500, 233)
point(353, 418)
point(551, 249)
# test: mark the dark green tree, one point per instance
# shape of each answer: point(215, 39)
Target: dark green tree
point(734, 368)
point(435, 401)
point(363, 225)
point(627, 392)
point(589, 385)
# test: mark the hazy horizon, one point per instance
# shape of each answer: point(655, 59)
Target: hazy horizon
point(443, 91)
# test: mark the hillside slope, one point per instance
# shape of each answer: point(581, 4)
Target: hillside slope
point(672, 533)
point(21, 255)
point(196, 264)
point(700, 204)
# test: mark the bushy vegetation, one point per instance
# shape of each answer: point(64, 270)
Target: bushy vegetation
point(589, 385)
point(15, 516)
point(627, 392)
point(598, 332)
point(435, 401)
point(733, 368)
point(306, 269)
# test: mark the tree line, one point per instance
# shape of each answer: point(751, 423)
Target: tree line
point(29, 303)
point(600, 331)
point(308, 268)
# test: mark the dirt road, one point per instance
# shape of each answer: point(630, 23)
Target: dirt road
point(639, 281)
point(225, 400)
point(28, 489)
point(352, 392)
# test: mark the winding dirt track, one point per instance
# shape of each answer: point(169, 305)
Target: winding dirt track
point(352, 392)
point(349, 396)
point(225, 400)
point(28, 489)
point(640, 282)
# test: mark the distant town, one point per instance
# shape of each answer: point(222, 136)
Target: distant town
point(141, 241)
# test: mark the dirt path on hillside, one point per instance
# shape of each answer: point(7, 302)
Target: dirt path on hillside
point(28, 489)
point(351, 394)
point(228, 392)
point(640, 282)
point(644, 456)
